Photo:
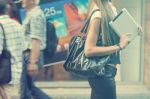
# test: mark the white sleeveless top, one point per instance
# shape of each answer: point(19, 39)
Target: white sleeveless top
point(97, 14)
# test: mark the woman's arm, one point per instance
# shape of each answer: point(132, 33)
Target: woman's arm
point(91, 49)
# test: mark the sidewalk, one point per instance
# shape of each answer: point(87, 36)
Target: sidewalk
point(67, 91)
point(81, 90)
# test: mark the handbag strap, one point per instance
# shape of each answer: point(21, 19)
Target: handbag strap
point(4, 44)
point(84, 29)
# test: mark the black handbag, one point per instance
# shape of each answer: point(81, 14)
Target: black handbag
point(78, 63)
point(5, 63)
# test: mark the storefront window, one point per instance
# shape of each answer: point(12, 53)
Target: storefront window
point(68, 17)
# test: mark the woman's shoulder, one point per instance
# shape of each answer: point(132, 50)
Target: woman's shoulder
point(96, 14)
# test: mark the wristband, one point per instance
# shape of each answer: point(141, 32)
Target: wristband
point(119, 46)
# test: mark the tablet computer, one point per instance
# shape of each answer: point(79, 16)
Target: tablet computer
point(124, 23)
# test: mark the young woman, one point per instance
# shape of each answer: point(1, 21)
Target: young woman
point(102, 40)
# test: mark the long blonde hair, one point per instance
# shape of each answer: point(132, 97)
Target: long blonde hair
point(109, 36)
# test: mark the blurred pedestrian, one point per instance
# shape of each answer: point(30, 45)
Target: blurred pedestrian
point(13, 33)
point(34, 27)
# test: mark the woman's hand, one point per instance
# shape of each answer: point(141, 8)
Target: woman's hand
point(123, 41)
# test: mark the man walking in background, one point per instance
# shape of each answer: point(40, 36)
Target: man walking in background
point(13, 36)
point(34, 27)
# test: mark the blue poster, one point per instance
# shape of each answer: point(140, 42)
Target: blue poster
point(54, 12)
